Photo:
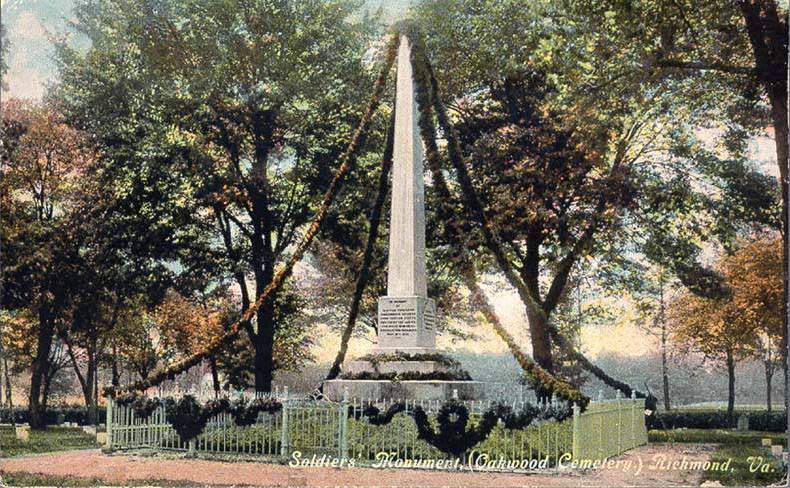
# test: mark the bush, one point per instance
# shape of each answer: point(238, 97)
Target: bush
point(70, 414)
point(717, 419)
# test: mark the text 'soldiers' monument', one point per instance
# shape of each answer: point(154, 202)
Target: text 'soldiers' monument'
point(406, 316)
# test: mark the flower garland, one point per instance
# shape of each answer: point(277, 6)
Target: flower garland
point(143, 407)
point(374, 415)
point(189, 418)
point(247, 413)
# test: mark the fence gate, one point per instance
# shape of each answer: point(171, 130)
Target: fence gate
point(311, 427)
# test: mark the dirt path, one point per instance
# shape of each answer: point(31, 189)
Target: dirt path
point(623, 471)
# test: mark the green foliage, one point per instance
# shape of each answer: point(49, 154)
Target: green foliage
point(717, 419)
point(186, 416)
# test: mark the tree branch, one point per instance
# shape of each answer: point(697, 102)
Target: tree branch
point(700, 66)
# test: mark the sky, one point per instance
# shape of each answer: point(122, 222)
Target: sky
point(32, 24)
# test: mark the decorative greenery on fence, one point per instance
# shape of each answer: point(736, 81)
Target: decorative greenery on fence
point(371, 430)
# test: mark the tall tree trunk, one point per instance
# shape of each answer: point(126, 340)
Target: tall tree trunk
point(264, 349)
point(9, 400)
point(665, 378)
point(769, 375)
point(116, 378)
point(540, 338)
point(39, 368)
point(90, 397)
point(664, 365)
point(214, 376)
point(730, 387)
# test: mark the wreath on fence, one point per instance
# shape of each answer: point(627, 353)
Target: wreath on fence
point(453, 436)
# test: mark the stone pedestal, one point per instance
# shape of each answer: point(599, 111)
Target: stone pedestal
point(396, 367)
point(404, 390)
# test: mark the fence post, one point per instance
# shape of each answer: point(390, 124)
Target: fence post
point(634, 439)
point(284, 447)
point(108, 423)
point(619, 423)
point(343, 424)
point(577, 433)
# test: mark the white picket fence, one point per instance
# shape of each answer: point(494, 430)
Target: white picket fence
point(607, 428)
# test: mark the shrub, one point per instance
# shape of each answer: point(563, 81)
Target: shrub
point(717, 419)
point(70, 414)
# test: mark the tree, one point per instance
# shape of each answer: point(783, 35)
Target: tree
point(699, 324)
point(735, 52)
point(247, 107)
point(563, 161)
point(755, 273)
point(42, 164)
point(730, 329)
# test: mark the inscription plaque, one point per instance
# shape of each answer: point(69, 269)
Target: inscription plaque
point(406, 324)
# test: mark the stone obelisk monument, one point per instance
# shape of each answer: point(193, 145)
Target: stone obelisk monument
point(406, 316)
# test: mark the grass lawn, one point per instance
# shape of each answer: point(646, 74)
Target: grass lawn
point(49, 440)
point(750, 463)
point(28, 479)
point(715, 436)
point(749, 466)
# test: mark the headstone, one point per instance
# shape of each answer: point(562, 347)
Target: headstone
point(23, 433)
point(61, 418)
point(776, 451)
point(89, 429)
point(767, 442)
point(101, 438)
point(743, 423)
point(406, 316)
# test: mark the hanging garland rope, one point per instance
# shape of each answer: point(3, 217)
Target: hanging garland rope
point(367, 259)
point(374, 415)
point(427, 83)
point(246, 413)
point(348, 159)
point(189, 417)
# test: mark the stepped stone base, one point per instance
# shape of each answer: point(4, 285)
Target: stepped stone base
point(404, 390)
